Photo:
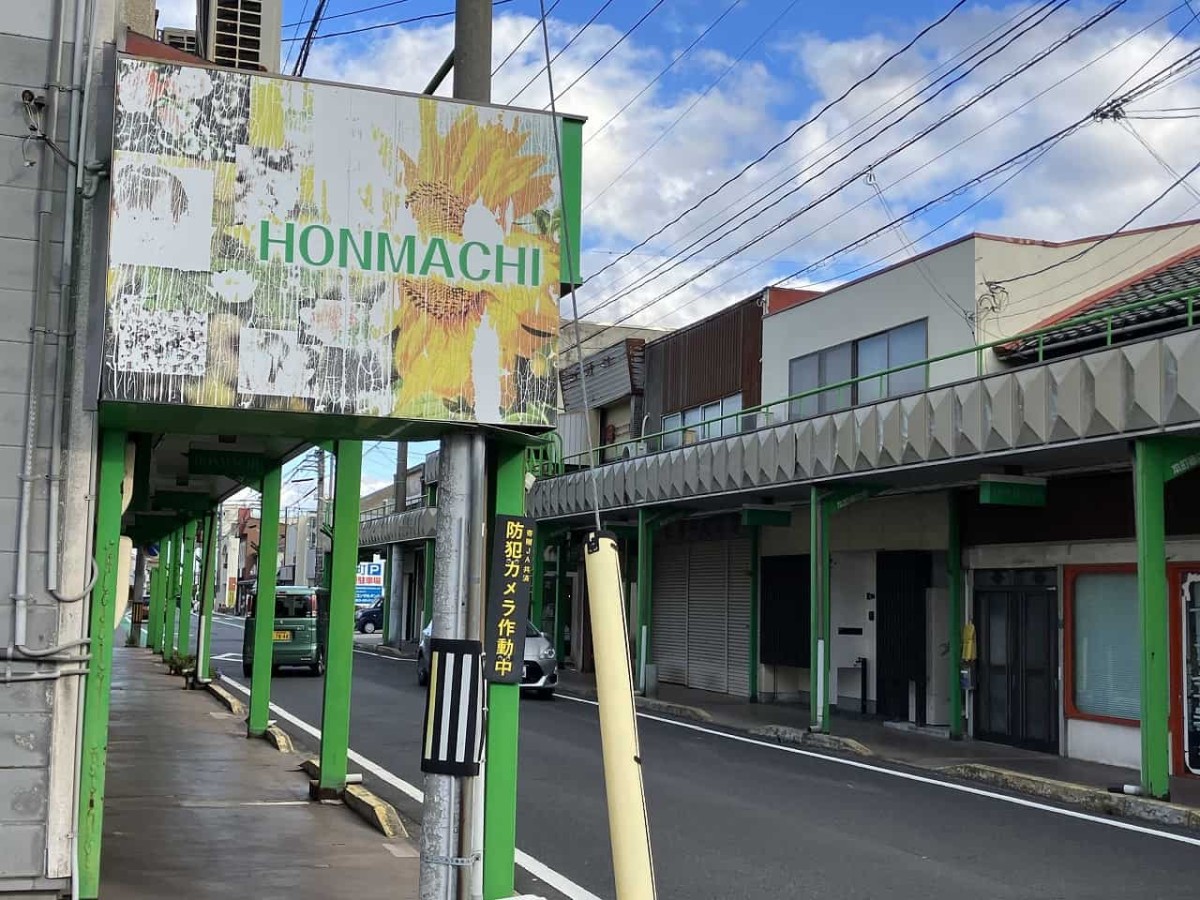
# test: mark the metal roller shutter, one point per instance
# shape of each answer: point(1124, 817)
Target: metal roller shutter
point(670, 612)
point(707, 619)
point(739, 617)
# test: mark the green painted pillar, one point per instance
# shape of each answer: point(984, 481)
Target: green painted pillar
point(187, 589)
point(208, 579)
point(98, 682)
point(339, 652)
point(645, 591)
point(560, 597)
point(154, 614)
point(954, 578)
point(500, 803)
point(818, 567)
point(264, 606)
point(172, 594)
point(755, 535)
point(1149, 475)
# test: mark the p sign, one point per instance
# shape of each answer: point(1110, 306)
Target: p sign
point(369, 587)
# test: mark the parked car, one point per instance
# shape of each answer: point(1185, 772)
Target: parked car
point(301, 629)
point(540, 672)
point(369, 619)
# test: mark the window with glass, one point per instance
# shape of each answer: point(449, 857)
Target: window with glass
point(704, 422)
point(1105, 657)
point(876, 353)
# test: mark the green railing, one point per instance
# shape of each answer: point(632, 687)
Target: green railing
point(545, 459)
point(714, 429)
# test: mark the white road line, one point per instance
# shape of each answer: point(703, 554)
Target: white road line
point(910, 776)
point(534, 867)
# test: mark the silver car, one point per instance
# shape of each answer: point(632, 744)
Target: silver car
point(539, 675)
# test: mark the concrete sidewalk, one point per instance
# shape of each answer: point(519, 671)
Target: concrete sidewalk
point(195, 810)
point(1026, 771)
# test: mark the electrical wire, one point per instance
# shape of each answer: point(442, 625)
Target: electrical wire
point(578, 33)
point(1088, 249)
point(342, 15)
point(379, 25)
point(770, 150)
point(695, 100)
point(1128, 126)
point(521, 43)
point(921, 134)
point(619, 41)
point(572, 275)
point(1038, 150)
point(653, 81)
point(295, 31)
point(306, 47)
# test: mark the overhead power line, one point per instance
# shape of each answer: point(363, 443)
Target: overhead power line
point(578, 33)
point(619, 41)
point(770, 150)
point(918, 136)
point(378, 25)
point(653, 81)
point(1022, 159)
point(351, 12)
point(521, 43)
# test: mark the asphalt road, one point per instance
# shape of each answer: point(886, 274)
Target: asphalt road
point(733, 819)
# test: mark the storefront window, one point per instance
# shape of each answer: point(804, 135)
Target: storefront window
point(1107, 663)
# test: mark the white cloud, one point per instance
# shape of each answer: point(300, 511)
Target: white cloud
point(1090, 183)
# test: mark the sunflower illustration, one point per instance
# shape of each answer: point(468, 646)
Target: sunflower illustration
point(434, 321)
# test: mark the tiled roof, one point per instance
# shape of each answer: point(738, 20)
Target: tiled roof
point(1180, 273)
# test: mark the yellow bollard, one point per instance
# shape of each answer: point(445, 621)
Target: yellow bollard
point(628, 827)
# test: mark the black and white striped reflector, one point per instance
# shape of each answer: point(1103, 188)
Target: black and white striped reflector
point(453, 741)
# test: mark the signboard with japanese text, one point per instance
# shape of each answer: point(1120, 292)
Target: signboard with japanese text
point(509, 591)
point(369, 585)
point(288, 245)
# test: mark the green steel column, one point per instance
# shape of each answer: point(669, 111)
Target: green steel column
point(208, 584)
point(500, 786)
point(264, 606)
point(954, 658)
point(645, 590)
point(171, 589)
point(755, 534)
point(98, 682)
point(1148, 478)
point(339, 652)
point(154, 614)
point(187, 589)
point(560, 593)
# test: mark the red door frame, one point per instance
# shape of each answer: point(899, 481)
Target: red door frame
point(1175, 575)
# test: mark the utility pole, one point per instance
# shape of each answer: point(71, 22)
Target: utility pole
point(320, 542)
point(452, 832)
point(394, 603)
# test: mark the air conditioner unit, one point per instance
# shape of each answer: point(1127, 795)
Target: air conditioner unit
point(640, 448)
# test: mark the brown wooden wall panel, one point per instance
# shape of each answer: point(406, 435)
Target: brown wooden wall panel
point(707, 361)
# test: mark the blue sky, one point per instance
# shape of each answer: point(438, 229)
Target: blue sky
point(690, 129)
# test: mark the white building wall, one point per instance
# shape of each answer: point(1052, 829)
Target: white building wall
point(893, 297)
point(1023, 304)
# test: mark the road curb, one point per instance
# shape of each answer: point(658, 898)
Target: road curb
point(279, 739)
point(1093, 799)
point(798, 737)
point(378, 813)
point(230, 702)
point(367, 805)
point(649, 704)
point(381, 650)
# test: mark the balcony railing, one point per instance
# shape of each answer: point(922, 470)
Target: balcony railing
point(776, 412)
